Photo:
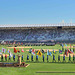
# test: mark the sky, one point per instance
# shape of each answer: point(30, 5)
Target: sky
point(37, 11)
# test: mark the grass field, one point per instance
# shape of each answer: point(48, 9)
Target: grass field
point(41, 66)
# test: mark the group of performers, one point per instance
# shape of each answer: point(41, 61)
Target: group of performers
point(9, 59)
point(54, 60)
point(43, 58)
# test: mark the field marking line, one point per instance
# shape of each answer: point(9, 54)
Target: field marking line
point(19, 47)
point(53, 72)
point(27, 65)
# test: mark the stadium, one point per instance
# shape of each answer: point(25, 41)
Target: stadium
point(47, 41)
point(48, 34)
point(37, 37)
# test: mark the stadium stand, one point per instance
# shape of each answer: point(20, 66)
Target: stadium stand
point(65, 32)
point(36, 35)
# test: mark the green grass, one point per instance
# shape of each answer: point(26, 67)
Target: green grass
point(39, 66)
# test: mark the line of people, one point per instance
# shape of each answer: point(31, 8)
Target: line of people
point(9, 59)
point(54, 60)
point(37, 58)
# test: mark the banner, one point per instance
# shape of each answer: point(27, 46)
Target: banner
point(39, 53)
point(22, 50)
point(33, 52)
point(3, 50)
point(15, 51)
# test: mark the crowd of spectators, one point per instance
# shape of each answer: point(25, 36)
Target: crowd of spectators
point(37, 34)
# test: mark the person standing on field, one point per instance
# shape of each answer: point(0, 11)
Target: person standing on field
point(36, 57)
point(64, 58)
point(69, 57)
point(73, 58)
point(9, 57)
point(32, 57)
point(2, 57)
point(22, 57)
point(43, 58)
point(47, 58)
point(54, 58)
point(5, 57)
point(27, 57)
point(14, 57)
point(58, 58)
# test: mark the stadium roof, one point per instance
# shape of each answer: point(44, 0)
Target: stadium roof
point(37, 25)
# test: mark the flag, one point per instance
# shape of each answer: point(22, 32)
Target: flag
point(42, 50)
point(11, 54)
point(70, 45)
point(8, 51)
point(18, 50)
point(36, 51)
point(50, 53)
point(15, 51)
point(39, 53)
point(54, 51)
point(22, 50)
point(30, 50)
point(3, 50)
point(71, 50)
point(62, 45)
point(65, 44)
point(33, 52)
point(47, 52)
point(60, 51)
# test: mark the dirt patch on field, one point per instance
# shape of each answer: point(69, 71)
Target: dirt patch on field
point(68, 46)
point(68, 55)
point(45, 50)
point(26, 65)
point(4, 55)
point(19, 47)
